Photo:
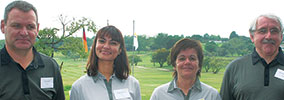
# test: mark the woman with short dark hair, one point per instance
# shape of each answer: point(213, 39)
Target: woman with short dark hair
point(186, 58)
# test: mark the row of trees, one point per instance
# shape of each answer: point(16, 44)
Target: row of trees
point(48, 42)
point(215, 64)
point(214, 51)
point(213, 45)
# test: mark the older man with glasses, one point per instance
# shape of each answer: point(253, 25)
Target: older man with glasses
point(260, 75)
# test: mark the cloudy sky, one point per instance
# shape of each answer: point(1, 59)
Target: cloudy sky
point(174, 17)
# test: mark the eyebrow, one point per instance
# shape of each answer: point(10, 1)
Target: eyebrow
point(105, 39)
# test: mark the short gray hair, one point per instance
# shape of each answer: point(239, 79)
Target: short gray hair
point(252, 28)
point(21, 5)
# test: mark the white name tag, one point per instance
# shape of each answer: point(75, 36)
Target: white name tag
point(121, 93)
point(46, 82)
point(279, 74)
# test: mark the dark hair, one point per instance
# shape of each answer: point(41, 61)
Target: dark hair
point(121, 66)
point(182, 45)
point(21, 5)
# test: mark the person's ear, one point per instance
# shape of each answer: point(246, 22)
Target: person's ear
point(251, 37)
point(2, 26)
point(119, 51)
point(37, 29)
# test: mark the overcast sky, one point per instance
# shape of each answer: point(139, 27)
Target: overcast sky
point(174, 17)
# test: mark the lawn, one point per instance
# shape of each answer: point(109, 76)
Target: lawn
point(148, 75)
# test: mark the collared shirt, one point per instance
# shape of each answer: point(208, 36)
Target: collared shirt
point(199, 91)
point(97, 88)
point(250, 78)
point(41, 80)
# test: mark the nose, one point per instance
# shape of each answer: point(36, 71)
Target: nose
point(106, 45)
point(187, 61)
point(24, 31)
point(268, 35)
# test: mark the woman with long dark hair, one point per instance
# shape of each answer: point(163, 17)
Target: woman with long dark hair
point(107, 70)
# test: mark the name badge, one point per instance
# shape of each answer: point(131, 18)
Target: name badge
point(279, 74)
point(46, 82)
point(121, 93)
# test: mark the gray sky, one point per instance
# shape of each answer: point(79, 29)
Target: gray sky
point(187, 17)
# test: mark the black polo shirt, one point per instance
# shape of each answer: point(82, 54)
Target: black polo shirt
point(279, 59)
point(251, 78)
point(41, 80)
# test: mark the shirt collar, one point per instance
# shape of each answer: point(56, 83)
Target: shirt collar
point(101, 76)
point(196, 85)
point(6, 59)
point(279, 58)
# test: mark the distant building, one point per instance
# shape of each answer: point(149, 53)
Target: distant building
point(216, 41)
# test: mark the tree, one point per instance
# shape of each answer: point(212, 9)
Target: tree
point(197, 37)
point(2, 43)
point(128, 42)
point(206, 64)
point(143, 43)
point(49, 40)
point(222, 51)
point(217, 64)
point(169, 59)
point(160, 41)
point(160, 56)
point(172, 39)
point(45, 42)
point(211, 46)
point(233, 35)
point(73, 48)
point(206, 37)
point(134, 59)
point(238, 46)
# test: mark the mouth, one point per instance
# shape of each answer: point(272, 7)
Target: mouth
point(23, 40)
point(106, 52)
point(188, 67)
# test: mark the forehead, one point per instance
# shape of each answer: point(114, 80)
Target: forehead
point(106, 37)
point(267, 22)
point(16, 14)
point(187, 52)
point(109, 35)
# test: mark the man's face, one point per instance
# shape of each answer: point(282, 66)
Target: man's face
point(20, 30)
point(267, 37)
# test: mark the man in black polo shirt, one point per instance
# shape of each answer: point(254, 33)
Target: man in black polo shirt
point(260, 75)
point(26, 74)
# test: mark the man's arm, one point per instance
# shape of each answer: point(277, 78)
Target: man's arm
point(59, 84)
point(226, 88)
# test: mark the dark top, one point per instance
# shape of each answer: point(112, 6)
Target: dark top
point(41, 80)
point(251, 78)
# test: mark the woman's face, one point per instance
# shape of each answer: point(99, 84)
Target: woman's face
point(107, 49)
point(187, 63)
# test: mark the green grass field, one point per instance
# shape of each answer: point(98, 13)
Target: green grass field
point(148, 75)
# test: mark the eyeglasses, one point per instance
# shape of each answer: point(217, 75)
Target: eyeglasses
point(265, 30)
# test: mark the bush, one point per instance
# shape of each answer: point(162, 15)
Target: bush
point(135, 58)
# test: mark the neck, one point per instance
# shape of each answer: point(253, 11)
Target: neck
point(268, 58)
point(185, 84)
point(23, 57)
point(106, 68)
